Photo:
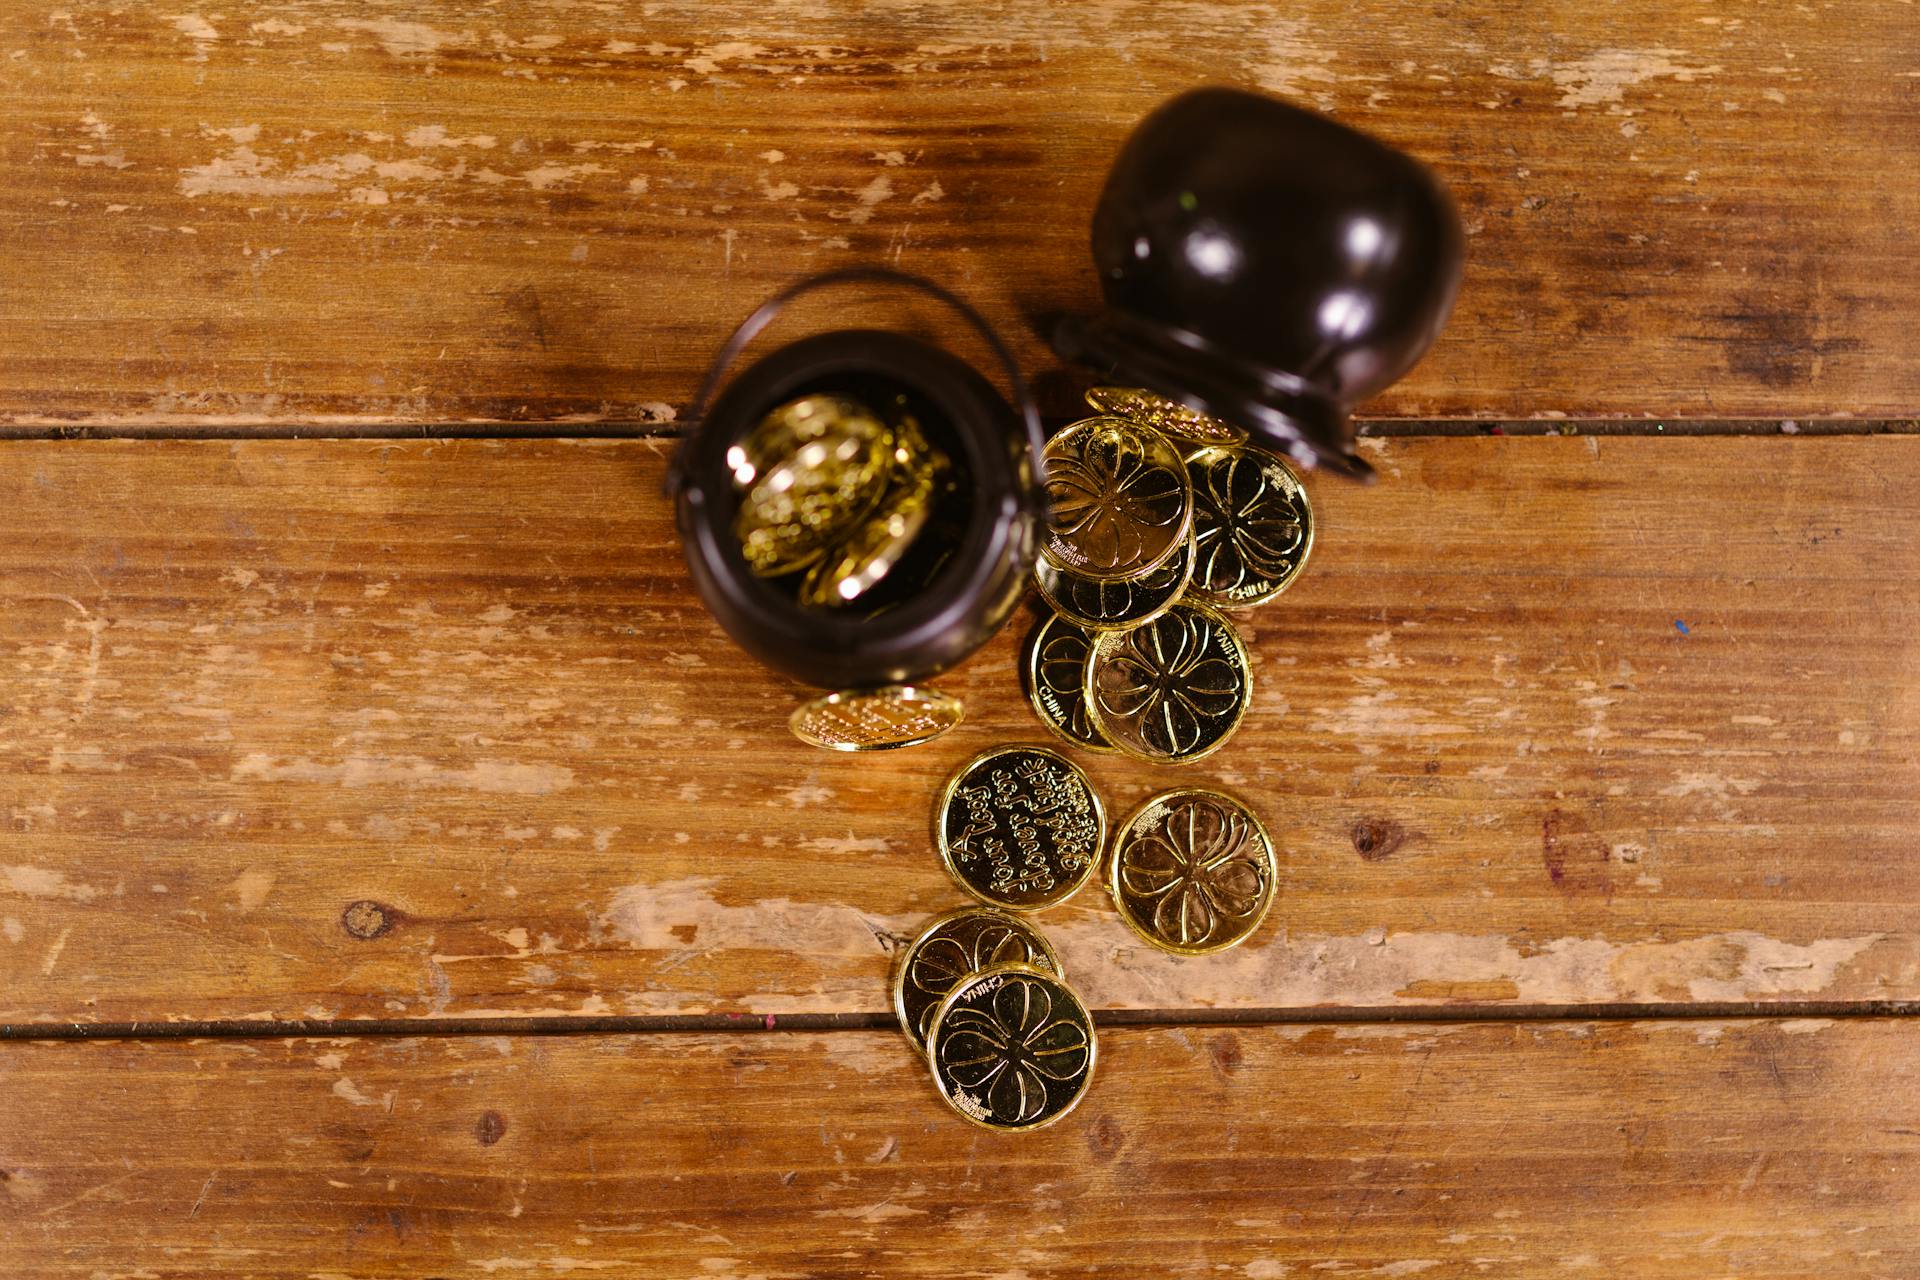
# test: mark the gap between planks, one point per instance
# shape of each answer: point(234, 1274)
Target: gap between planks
point(755, 1023)
point(1394, 428)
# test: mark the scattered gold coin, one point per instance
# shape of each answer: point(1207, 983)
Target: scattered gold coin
point(956, 946)
point(1055, 673)
point(1011, 1048)
point(1019, 827)
point(1162, 414)
point(1104, 606)
point(1120, 498)
point(898, 715)
point(1173, 690)
point(1193, 871)
point(1252, 526)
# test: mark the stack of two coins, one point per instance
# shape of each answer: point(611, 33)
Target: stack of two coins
point(982, 992)
point(1162, 517)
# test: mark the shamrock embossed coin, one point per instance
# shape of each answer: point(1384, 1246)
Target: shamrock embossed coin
point(1252, 526)
point(1192, 871)
point(1019, 827)
point(897, 715)
point(956, 946)
point(1104, 606)
point(1173, 690)
point(1162, 414)
point(1011, 1048)
point(1120, 496)
point(1055, 673)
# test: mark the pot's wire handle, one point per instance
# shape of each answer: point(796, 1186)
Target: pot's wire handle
point(764, 314)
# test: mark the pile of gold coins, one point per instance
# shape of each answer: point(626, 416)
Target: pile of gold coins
point(833, 495)
point(983, 994)
point(1162, 518)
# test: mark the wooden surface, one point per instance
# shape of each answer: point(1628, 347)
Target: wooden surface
point(1601, 755)
point(289, 210)
point(251, 685)
point(1751, 1149)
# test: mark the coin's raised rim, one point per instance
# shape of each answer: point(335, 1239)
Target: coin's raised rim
point(1240, 714)
point(933, 926)
point(952, 784)
point(952, 998)
point(1113, 870)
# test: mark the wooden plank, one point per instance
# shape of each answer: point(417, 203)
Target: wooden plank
point(533, 212)
point(1757, 1149)
point(1547, 721)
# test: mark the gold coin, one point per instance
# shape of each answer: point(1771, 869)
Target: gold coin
point(1193, 871)
point(811, 470)
point(849, 570)
point(956, 946)
point(1011, 1048)
point(1019, 827)
point(1055, 671)
point(1173, 690)
point(1162, 414)
point(1103, 606)
point(1120, 497)
point(1252, 526)
point(898, 715)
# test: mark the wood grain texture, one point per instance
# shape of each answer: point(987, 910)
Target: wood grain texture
point(302, 209)
point(1756, 1149)
point(309, 729)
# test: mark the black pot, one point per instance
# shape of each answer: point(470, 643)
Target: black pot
point(968, 567)
point(1268, 266)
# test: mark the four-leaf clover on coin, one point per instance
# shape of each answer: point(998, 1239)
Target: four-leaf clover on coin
point(943, 962)
point(1201, 869)
point(1245, 526)
point(1109, 496)
point(1012, 1048)
point(1168, 682)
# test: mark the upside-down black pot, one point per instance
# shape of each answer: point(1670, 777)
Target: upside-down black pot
point(1266, 265)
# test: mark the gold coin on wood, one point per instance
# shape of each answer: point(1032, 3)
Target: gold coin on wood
point(1252, 526)
point(898, 715)
point(956, 946)
point(1019, 827)
point(1012, 1048)
point(1054, 670)
point(1120, 499)
point(1162, 414)
point(1104, 606)
point(1192, 871)
point(1173, 690)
